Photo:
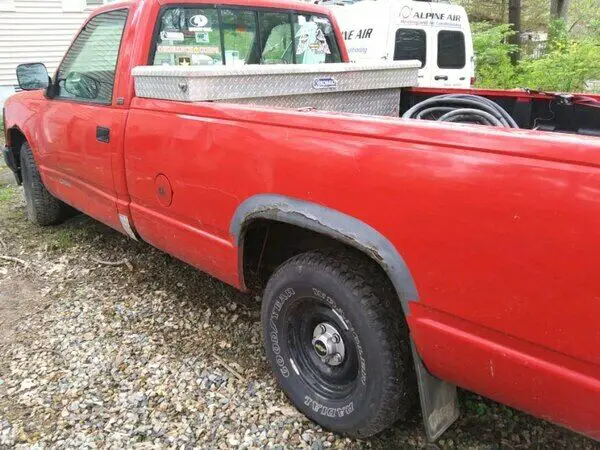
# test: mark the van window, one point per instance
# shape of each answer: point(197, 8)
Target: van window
point(411, 44)
point(451, 50)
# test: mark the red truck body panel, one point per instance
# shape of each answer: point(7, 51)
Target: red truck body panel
point(499, 227)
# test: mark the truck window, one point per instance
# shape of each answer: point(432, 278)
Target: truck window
point(239, 35)
point(188, 37)
point(315, 40)
point(411, 44)
point(451, 50)
point(195, 36)
point(92, 60)
point(276, 31)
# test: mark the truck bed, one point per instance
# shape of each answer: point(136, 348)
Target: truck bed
point(382, 89)
point(560, 113)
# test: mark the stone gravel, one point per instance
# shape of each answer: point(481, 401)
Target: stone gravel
point(154, 354)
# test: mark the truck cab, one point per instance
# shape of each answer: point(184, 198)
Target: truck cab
point(437, 34)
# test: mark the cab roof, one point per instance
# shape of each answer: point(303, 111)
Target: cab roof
point(295, 5)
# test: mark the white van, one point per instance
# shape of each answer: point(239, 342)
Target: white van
point(437, 34)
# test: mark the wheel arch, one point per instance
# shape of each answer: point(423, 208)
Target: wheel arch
point(329, 222)
point(438, 398)
point(15, 138)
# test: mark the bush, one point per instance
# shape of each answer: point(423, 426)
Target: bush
point(564, 69)
point(567, 66)
point(558, 36)
point(493, 67)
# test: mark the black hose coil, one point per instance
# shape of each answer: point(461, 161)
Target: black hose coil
point(464, 108)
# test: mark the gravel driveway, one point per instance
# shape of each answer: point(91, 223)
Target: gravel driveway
point(150, 353)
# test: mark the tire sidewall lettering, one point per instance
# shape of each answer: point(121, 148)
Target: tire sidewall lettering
point(274, 337)
point(324, 410)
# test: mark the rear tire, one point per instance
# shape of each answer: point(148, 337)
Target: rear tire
point(337, 342)
point(42, 208)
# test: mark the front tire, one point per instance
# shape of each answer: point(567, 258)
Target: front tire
point(42, 208)
point(338, 343)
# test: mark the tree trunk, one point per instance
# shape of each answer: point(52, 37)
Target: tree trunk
point(514, 18)
point(559, 9)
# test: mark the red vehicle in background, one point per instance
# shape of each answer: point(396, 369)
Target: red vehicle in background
point(397, 257)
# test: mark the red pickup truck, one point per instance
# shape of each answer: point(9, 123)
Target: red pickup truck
point(398, 258)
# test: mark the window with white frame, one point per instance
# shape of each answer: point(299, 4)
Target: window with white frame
point(7, 5)
point(81, 5)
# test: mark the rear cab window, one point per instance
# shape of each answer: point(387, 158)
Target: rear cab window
point(451, 50)
point(228, 35)
point(189, 37)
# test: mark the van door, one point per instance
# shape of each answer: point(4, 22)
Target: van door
point(451, 47)
point(450, 65)
point(364, 33)
point(410, 25)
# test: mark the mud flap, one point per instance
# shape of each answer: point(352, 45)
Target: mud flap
point(439, 402)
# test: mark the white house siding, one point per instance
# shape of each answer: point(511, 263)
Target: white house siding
point(36, 31)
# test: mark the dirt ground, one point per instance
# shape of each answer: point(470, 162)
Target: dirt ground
point(90, 352)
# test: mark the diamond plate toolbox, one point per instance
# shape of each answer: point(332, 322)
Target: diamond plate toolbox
point(356, 88)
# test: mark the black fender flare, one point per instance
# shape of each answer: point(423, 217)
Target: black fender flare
point(332, 223)
point(12, 150)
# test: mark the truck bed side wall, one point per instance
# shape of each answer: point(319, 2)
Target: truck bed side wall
point(499, 228)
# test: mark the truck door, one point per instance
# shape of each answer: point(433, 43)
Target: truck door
point(450, 61)
point(82, 127)
point(410, 26)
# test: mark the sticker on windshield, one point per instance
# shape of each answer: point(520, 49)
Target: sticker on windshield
point(184, 61)
point(202, 60)
point(202, 37)
point(188, 49)
point(197, 22)
point(310, 36)
point(171, 36)
point(324, 24)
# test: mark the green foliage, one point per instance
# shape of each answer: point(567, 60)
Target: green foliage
point(584, 18)
point(566, 68)
point(558, 36)
point(6, 193)
point(476, 407)
point(568, 64)
point(492, 50)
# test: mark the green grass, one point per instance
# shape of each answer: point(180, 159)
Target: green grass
point(6, 194)
point(2, 137)
point(62, 239)
point(476, 407)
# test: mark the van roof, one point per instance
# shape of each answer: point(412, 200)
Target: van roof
point(433, 6)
